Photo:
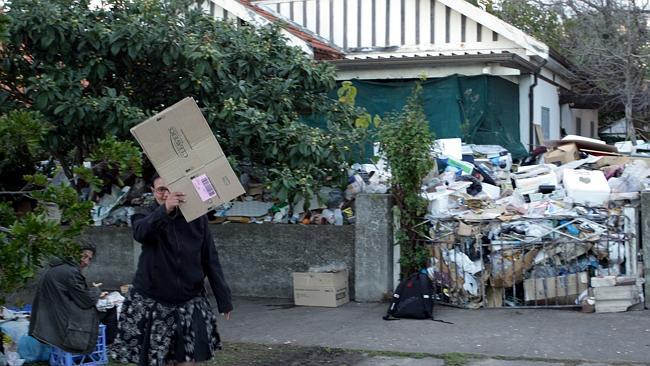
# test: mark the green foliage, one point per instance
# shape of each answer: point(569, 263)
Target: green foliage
point(96, 72)
point(406, 142)
point(456, 359)
point(51, 230)
point(89, 74)
point(541, 23)
point(4, 26)
point(21, 136)
point(7, 216)
point(487, 5)
point(60, 217)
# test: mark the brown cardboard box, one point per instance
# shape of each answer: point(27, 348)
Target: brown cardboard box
point(559, 288)
point(321, 289)
point(502, 273)
point(562, 154)
point(185, 153)
point(584, 143)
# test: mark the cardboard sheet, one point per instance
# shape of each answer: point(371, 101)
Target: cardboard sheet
point(184, 151)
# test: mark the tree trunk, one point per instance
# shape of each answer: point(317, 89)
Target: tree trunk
point(631, 131)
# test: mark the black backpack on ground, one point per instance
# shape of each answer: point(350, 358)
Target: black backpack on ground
point(413, 298)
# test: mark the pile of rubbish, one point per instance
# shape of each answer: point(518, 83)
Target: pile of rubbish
point(471, 182)
point(331, 206)
point(537, 234)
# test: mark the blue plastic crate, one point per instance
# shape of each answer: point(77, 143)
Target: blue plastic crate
point(59, 357)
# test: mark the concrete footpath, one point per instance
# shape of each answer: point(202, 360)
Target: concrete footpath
point(529, 337)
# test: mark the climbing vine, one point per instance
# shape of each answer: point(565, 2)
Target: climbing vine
point(406, 141)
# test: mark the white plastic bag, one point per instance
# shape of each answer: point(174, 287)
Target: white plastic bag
point(632, 178)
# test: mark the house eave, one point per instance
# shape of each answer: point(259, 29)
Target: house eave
point(509, 60)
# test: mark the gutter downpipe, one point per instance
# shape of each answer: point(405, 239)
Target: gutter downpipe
point(531, 105)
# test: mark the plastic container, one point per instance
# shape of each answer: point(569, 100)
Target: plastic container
point(59, 357)
point(338, 217)
point(587, 187)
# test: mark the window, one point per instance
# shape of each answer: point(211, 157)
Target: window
point(592, 127)
point(578, 126)
point(546, 123)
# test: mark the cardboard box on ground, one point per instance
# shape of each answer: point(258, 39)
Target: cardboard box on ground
point(321, 289)
point(559, 289)
point(181, 146)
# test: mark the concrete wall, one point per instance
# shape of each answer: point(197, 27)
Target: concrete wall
point(114, 262)
point(374, 247)
point(258, 259)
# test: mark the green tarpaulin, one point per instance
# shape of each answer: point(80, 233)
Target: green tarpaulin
point(480, 109)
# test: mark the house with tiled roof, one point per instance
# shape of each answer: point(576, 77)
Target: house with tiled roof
point(483, 79)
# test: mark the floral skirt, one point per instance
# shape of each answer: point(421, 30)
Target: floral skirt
point(151, 333)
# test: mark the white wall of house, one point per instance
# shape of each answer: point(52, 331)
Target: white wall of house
point(582, 122)
point(546, 109)
point(524, 131)
point(430, 72)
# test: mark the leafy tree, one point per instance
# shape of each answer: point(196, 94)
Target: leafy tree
point(4, 25)
point(75, 79)
point(406, 142)
point(21, 146)
point(487, 5)
point(97, 72)
point(608, 42)
point(539, 22)
point(53, 228)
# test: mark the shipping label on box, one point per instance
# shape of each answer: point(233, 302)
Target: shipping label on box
point(559, 287)
point(181, 146)
point(321, 289)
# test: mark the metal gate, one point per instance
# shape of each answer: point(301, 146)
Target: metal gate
point(531, 262)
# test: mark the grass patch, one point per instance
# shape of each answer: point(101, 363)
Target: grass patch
point(456, 359)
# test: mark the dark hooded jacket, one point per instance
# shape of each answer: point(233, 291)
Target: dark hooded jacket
point(63, 311)
point(176, 258)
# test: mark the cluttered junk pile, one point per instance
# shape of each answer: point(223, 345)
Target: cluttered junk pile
point(331, 207)
point(560, 231)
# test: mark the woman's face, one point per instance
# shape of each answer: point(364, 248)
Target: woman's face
point(160, 191)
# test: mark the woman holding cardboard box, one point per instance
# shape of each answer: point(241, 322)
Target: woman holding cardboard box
point(166, 317)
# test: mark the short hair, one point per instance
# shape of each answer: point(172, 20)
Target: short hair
point(153, 178)
point(88, 246)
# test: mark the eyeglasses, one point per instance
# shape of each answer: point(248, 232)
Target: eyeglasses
point(161, 190)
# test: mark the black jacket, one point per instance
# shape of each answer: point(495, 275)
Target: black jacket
point(176, 257)
point(63, 311)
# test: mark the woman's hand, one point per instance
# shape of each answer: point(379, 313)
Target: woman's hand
point(173, 200)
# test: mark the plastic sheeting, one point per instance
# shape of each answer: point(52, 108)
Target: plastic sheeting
point(480, 109)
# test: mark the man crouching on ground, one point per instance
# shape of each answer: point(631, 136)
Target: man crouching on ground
point(63, 311)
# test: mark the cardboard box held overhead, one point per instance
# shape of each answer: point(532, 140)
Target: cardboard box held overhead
point(185, 153)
